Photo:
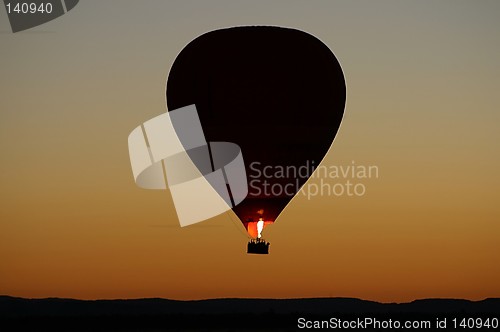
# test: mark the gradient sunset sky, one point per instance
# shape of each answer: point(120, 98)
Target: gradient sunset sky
point(423, 105)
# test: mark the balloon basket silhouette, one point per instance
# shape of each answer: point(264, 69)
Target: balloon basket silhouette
point(258, 246)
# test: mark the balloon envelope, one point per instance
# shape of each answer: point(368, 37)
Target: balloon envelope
point(278, 93)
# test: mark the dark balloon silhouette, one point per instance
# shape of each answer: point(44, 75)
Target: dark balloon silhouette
point(278, 93)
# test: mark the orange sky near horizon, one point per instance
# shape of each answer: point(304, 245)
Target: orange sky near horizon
point(422, 106)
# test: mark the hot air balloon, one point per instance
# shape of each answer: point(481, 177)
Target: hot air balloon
point(278, 93)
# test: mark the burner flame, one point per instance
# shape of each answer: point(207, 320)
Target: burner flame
point(260, 227)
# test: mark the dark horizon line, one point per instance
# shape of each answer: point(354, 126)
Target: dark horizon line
point(154, 314)
point(4, 296)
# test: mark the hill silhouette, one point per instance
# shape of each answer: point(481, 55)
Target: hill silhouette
point(155, 314)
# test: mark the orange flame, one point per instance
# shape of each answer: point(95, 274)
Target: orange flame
point(260, 227)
